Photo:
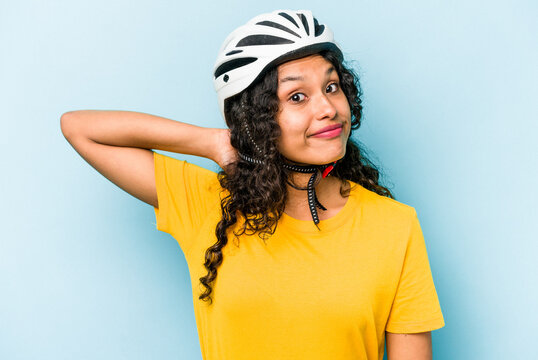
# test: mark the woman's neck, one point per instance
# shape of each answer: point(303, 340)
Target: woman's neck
point(327, 192)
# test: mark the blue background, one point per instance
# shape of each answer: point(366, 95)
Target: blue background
point(450, 117)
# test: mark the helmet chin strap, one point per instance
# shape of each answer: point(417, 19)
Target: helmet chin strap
point(315, 170)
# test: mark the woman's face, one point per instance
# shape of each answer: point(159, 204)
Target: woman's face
point(314, 114)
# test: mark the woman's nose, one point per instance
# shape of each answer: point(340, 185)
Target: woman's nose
point(324, 108)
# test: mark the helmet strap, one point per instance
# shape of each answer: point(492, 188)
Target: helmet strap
point(315, 170)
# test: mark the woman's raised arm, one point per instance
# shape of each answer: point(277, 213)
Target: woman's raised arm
point(118, 144)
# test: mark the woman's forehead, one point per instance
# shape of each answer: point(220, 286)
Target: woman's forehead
point(298, 69)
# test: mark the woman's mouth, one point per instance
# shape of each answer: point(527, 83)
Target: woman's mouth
point(329, 132)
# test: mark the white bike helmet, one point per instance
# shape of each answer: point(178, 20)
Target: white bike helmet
point(266, 41)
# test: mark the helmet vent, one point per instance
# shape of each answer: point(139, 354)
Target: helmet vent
point(278, 26)
point(233, 52)
point(284, 15)
point(252, 40)
point(318, 29)
point(233, 64)
point(305, 23)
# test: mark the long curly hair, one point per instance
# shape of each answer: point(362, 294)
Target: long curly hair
point(257, 193)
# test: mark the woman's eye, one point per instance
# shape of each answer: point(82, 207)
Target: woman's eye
point(297, 97)
point(332, 87)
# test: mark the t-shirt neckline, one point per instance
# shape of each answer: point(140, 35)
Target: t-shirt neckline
point(332, 223)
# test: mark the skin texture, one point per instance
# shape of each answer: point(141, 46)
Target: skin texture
point(311, 99)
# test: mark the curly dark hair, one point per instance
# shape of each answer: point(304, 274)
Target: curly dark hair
point(258, 192)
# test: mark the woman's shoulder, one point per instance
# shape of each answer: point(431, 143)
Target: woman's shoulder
point(184, 166)
point(181, 174)
point(381, 206)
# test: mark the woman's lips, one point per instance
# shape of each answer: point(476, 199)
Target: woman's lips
point(332, 131)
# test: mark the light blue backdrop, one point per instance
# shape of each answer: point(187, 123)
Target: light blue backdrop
point(450, 96)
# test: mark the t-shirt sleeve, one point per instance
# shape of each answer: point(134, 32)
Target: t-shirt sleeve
point(416, 306)
point(186, 194)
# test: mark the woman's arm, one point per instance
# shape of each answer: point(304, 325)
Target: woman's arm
point(409, 346)
point(118, 144)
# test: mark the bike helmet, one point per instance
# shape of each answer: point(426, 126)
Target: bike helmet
point(265, 41)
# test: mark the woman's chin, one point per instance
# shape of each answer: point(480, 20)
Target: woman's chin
point(333, 156)
point(318, 160)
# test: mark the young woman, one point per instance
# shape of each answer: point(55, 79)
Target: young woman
point(295, 250)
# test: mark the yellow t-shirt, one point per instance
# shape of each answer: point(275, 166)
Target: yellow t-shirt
point(305, 293)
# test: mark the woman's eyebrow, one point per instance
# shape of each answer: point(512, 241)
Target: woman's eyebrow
point(300, 78)
point(291, 78)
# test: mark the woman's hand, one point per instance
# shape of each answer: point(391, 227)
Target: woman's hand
point(224, 152)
